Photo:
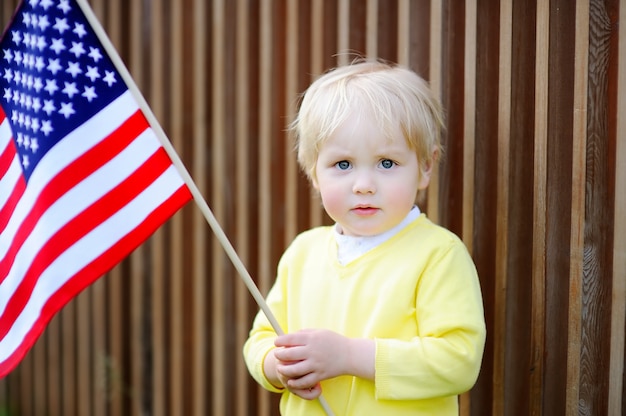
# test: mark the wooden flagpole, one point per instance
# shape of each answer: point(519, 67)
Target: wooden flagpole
point(182, 170)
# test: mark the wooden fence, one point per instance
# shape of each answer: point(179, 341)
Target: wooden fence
point(534, 181)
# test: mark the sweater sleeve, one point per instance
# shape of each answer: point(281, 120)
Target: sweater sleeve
point(444, 358)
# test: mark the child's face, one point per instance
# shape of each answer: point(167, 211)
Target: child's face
point(368, 182)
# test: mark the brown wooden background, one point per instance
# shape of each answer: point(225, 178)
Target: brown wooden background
point(534, 181)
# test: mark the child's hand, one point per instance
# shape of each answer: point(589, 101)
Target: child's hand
point(307, 357)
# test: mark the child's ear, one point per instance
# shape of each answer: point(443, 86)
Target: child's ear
point(426, 171)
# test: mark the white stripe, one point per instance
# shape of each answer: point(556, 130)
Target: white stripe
point(85, 251)
point(73, 203)
point(64, 153)
point(12, 175)
point(5, 134)
point(9, 181)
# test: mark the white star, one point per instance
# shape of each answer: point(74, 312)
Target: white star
point(67, 110)
point(17, 57)
point(79, 29)
point(46, 127)
point(26, 141)
point(26, 19)
point(70, 89)
point(54, 66)
point(77, 49)
point(34, 20)
point(17, 77)
point(43, 22)
point(7, 94)
point(15, 115)
point(25, 161)
point(48, 107)
point(36, 105)
point(16, 97)
point(90, 93)
point(94, 53)
point(57, 45)
point(109, 78)
point(92, 73)
point(51, 86)
point(41, 43)
point(8, 55)
point(33, 3)
point(61, 25)
point(8, 75)
point(16, 36)
point(20, 139)
point(35, 125)
point(73, 68)
point(20, 119)
point(27, 39)
point(46, 4)
point(34, 146)
point(64, 5)
point(30, 82)
point(27, 122)
point(39, 64)
point(37, 85)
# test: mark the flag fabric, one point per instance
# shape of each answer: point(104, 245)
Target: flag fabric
point(84, 179)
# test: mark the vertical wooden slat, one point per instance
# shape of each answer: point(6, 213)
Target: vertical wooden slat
point(435, 79)
point(291, 172)
point(83, 358)
point(26, 369)
point(318, 32)
point(218, 201)
point(38, 386)
point(371, 32)
point(502, 202)
point(578, 207)
point(54, 376)
point(265, 276)
point(200, 269)
point(156, 98)
point(404, 32)
point(539, 191)
point(343, 32)
point(616, 402)
point(242, 188)
point(68, 357)
point(469, 122)
point(138, 279)
point(469, 137)
point(176, 281)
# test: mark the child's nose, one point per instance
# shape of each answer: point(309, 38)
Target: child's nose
point(364, 183)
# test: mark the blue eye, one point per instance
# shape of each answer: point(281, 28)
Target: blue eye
point(343, 165)
point(387, 163)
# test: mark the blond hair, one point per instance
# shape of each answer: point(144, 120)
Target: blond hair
point(394, 95)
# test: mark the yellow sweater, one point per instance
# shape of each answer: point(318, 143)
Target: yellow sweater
point(417, 294)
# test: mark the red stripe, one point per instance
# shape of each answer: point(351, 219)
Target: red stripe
point(6, 158)
point(8, 208)
point(78, 227)
point(95, 269)
point(70, 177)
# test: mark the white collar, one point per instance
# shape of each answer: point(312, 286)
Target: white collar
point(350, 247)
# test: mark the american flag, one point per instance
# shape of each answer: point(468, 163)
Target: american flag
point(84, 178)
